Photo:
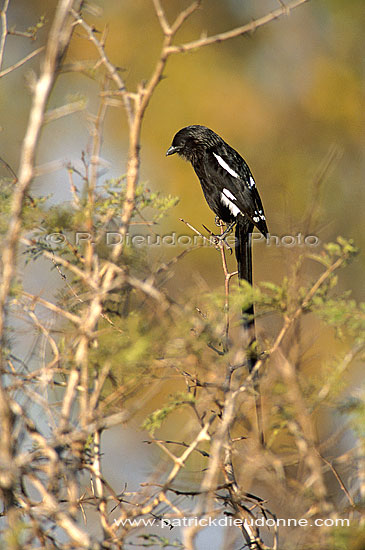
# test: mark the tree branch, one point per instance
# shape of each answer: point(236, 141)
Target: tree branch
point(239, 31)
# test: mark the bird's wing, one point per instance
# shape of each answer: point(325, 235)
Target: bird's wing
point(236, 184)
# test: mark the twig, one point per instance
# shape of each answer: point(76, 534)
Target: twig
point(340, 482)
point(21, 62)
point(8, 167)
point(4, 30)
point(239, 31)
point(108, 65)
point(227, 279)
point(162, 17)
point(181, 443)
point(52, 307)
point(64, 110)
point(331, 158)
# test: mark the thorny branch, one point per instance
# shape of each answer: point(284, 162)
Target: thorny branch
point(239, 31)
point(59, 37)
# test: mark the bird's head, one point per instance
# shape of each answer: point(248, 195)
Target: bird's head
point(190, 140)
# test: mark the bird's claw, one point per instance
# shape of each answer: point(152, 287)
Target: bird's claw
point(220, 239)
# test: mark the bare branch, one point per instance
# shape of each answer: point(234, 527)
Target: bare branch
point(64, 110)
point(184, 15)
point(21, 62)
point(239, 31)
point(4, 30)
point(108, 65)
point(340, 482)
point(162, 18)
point(58, 40)
point(52, 307)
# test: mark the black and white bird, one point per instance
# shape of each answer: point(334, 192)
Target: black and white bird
point(230, 191)
point(228, 186)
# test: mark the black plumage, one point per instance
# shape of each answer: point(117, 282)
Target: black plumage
point(228, 186)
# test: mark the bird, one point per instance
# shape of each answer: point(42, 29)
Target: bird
point(228, 186)
point(230, 191)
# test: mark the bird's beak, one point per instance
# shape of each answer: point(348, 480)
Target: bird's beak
point(171, 150)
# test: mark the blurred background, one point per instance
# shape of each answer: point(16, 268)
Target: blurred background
point(288, 97)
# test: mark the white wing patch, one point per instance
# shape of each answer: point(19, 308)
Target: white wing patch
point(229, 194)
point(259, 215)
point(232, 207)
point(225, 166)
point(252, 183)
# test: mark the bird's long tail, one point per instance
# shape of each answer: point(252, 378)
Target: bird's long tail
point(243, 251)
